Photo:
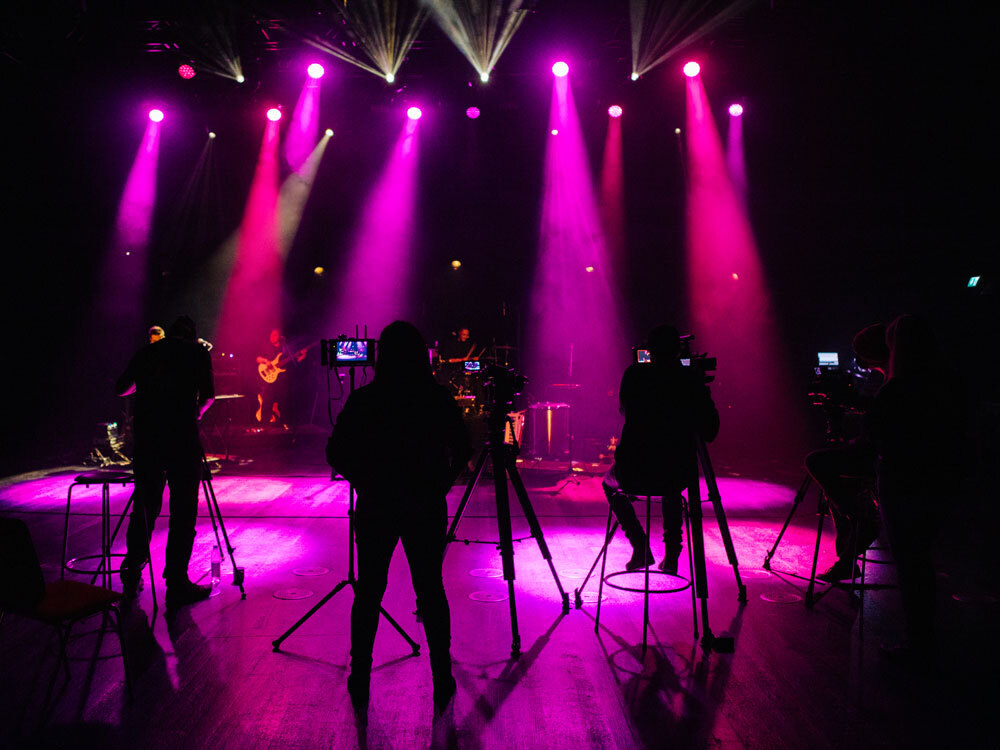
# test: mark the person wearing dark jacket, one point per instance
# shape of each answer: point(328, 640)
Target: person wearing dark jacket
point(666, 407)
point(919, 420)
point(401, 443)
point(173, 386)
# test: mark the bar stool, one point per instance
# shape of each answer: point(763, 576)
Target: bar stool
point(103, 478)
point(609, 578)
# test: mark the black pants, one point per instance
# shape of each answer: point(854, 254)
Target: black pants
point(179, 467)
point(422, 527)
point(841, 472)
point(621, 504)
point(909, 513)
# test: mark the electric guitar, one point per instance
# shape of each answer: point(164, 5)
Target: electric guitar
point(269, 371)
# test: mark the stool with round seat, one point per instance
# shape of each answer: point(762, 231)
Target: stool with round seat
point(104, 570)
point(611, 579)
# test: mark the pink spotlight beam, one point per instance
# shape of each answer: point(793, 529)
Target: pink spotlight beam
point(274, 114)
point(414, 113)
point(156, 115)
point(691, 69)
point(315, 70)
point(735, 110)
point(303, 131)
point(615, 111)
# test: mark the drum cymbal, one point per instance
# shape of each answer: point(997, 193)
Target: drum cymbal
point(506, 348)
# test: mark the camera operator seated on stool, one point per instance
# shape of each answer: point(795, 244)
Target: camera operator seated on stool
point(666, 405)
point(838, 470)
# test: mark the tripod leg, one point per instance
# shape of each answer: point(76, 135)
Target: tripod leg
point(536, 528)
point(799, 496)
point(399, 629)
point(609, 534)
point(276, 644)
point(469, 489)
point(720, 517)
point(697, 542)
point(214, 513)
point(810, 600)
point(694, 602)
point(506, 538)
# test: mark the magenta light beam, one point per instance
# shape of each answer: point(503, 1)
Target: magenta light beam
point(731, 307)
point(376, 280)
point(734, 153)
point(573, 300)
point(303, 132)
point(251, 305)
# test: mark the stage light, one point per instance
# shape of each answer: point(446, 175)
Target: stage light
point(186, 72)
point(414, 113)
point(211, 134)
point(329, 133)
point(319, 270)
point(484, 77)
point(389, 77)
point(677, 131)
point(554, 131)
point(560, 69)
point(615, 111)
point(315, 70)
point(472, 113)
point(973, 281)
point(456, 264)
point(240, 78)
point(691, 69)
point(274, 114)
point(635, 76)
point(736, 277)
point(589, 269)
point(735, 110)
point(156, 115)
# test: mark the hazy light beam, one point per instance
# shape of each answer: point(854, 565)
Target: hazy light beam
point(303, 131)
point(573, 307)
point(480, 30)
point(376, 281)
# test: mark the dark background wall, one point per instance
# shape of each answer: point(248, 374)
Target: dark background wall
point(870, 157)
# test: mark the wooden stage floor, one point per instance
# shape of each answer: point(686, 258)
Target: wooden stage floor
point(799, 678)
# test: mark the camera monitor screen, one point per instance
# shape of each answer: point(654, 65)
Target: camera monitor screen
point(471, 366)
point(686, 361)
point(354, 352)
point(642, 356)
point(828, 359)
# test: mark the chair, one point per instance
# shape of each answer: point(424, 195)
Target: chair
point(61, 604)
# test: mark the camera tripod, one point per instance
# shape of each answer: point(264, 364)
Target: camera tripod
point(823, 510)
point(351, 579)
point(696, 542)
point(503, 457)
point(215, 514)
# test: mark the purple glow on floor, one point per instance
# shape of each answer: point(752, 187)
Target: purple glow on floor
point(251, 304)
point(572, 309)
point(377, 275)
point(731, 307)
point(303, 131)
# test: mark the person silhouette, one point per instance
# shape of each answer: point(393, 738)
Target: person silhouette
point(401, 442)
point(173, 386)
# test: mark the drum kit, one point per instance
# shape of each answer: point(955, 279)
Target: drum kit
point(465, 379)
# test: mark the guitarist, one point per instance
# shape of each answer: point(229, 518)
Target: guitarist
point(272, 396)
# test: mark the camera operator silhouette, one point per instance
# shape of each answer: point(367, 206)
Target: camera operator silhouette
point(401, 443)
point(839, 469)
point(173, 386)
point(918, 421)
point(666, 407)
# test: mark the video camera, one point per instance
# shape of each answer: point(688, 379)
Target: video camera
point(347, 352)
point(699, 363)
point(503, 385)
